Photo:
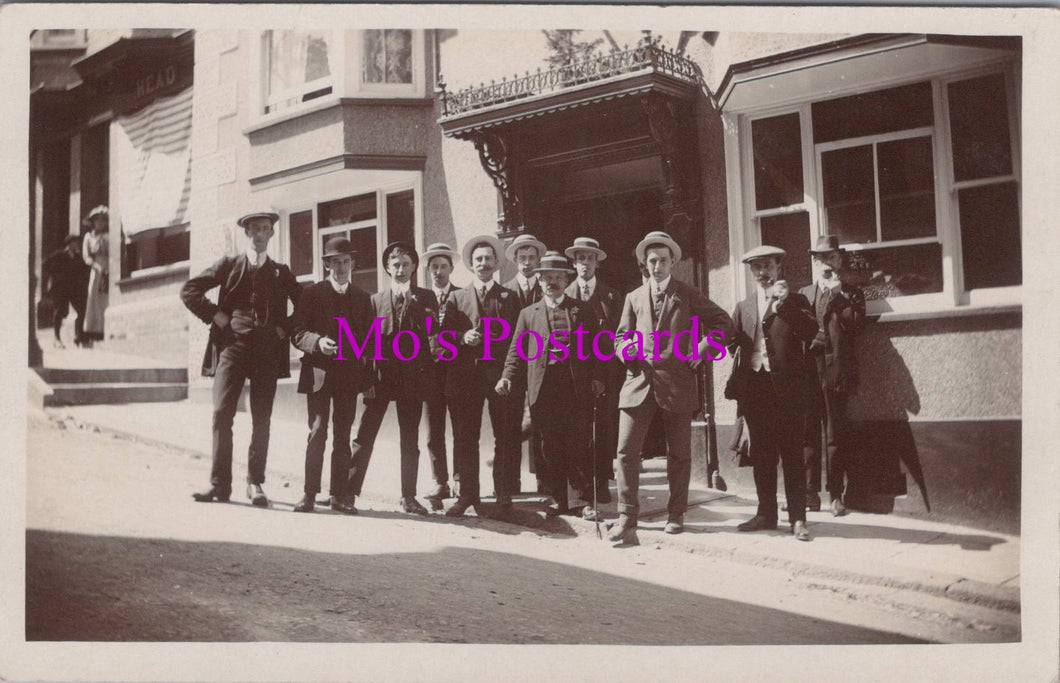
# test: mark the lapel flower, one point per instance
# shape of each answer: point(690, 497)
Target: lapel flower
point(574, 310)
point(504, 294)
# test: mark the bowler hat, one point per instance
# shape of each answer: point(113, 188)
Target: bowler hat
point(825, 244)
point(524, 240)
point(555, 262)
point(480, 240)
point(405, 247)
point(258, 214)
point(654, 238)
point(440, 249)
point(585, 244)
point(763, 250)
point(338, 245)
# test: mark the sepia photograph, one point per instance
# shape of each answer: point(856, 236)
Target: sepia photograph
point(701, 328)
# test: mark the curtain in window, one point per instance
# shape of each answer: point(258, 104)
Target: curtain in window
point(153, 153)
point(297, 58)
point(387, 56)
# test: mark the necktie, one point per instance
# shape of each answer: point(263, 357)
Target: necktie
point(482, 292)
point(659, 298)
point(585, 291)
point(442, 298)
point(399, 305)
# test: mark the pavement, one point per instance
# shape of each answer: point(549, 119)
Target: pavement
point(944, 560)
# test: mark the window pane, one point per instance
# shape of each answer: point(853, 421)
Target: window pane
point(907, 189)
point(884, 111)
point(346, 210)
point(365, 271)
point(295, 60)
point(896, 271)
point(387, 56)
point(401, 217)
point(980, 128)
point(778, 161)
point(990, 235)
point(791, 232)
point(301, 241)
point(849, 194)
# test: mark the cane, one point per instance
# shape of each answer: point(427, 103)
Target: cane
point(592, 454)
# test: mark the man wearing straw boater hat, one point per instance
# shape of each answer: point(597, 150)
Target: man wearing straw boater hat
point(472, 376)
point(661, 377)
point(772, 326)
point(606, 304)
point(331, 385)
point(840, 310)
point(403, 376)
point(249, 328)
point(559, 386)
point(439, 259)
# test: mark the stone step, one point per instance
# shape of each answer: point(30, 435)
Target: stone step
point(113, 375)
point(79, 393)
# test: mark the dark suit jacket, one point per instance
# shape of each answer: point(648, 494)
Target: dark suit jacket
point(463, 313)
point(671, 379)
point(65, 276)
point(530, 374)
point(314, 317)
point(786, 331)
point(226, 273)
point(533, 296)
point(406, 379)
point(834, 346)
point(606, 305)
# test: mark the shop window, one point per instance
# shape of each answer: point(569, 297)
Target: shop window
point(300, 239)
point(788, 231)
point(298, 67)
point(874, 113)
point(777, 149)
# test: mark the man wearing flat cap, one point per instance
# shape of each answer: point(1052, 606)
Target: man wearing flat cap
point(661, 377)
point(605, 302)
point(472, 377)
point(840, 310)
point(439, 259)
point(249, 328)
point(404, 307)
point(331, 385)
point(560, 387)
point(772, 327)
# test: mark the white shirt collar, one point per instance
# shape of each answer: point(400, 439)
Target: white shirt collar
point(660, 286)
point(554, 304)
point(526, 282)
point(443, 290)
point(479, 284)
point(582, 284)
point(341, 289)
point(399, 288)
point(254, 259)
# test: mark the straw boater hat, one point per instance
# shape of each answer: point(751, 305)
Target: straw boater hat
point(404, 246)
point(585, 244)
point(440, 249)
point(338, 245)
point(100, 210)
point(469, 246)
point(825, 244)
point(525, 240)
point(653, 238)
point(764, 250)
point(258, 214)
point(554, 262)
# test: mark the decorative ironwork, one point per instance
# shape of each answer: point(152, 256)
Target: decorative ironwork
point(646, 57)
point(493, 154)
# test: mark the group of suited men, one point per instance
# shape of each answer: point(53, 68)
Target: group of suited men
point(585, 414)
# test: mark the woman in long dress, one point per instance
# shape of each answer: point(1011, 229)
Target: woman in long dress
point(95, 250)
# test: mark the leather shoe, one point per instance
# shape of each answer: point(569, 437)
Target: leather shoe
point(555, 510)
point(813, 502)
point(306, 504)
point(589, 513)
point(460, 507)
point(343, 504)
point(623, 531)
point(257, 496)
point(502, 511)
point(413, 507)
point(838, 509)
point(603, 493)
point(437, 495)
point(800, 530)
point(675, 524)
point(757, 523)
point(214, 493)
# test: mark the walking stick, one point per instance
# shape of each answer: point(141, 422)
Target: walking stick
point(592, 454)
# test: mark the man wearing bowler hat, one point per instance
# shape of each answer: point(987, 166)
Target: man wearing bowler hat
point(331, 385)
point(840, 310)
point(473, 376)
point(249, 328)
point(605, 302)
point(403, 376)
point(772, 326)
point(661, 377)
point(439, 259)
point(559, 386)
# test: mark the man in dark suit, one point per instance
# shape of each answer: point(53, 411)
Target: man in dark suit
point(439, 259)
point(66, 284)
point(606, 304)
point(525, 251)
point(559, 386)
point(404, 374)
point(840, 310)
point(325, 380)
point(772, 326)
point(677, 326)
point(474, 375)
point(249, 328)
